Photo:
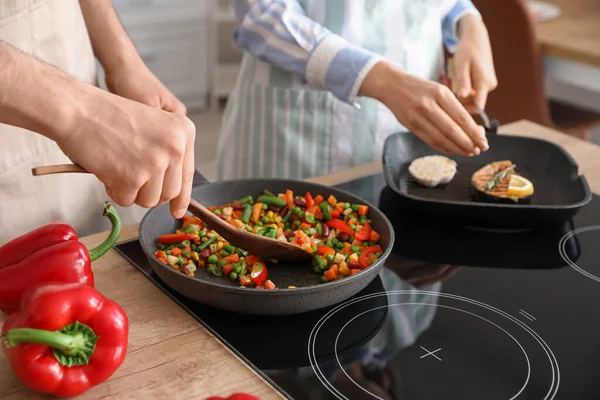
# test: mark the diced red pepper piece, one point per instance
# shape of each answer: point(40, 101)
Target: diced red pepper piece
point(340, 226)
point(335, 213)
point(258, 274)
point(354, 271)
point(322, 250)
point(245, 280)
point(160, 254)
point(365, 258)
point(227, 268)
point(175, 237)
point(364, 233)
point(363, 210)
point(375, 236)
point(269, 284)
point(310, 202)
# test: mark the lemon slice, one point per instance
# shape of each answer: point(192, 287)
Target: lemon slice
point(519, 186)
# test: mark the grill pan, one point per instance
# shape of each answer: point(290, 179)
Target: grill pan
point(560, 191)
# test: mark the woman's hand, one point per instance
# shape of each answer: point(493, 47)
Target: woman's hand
point(473, 64)
point(428, 109)
point(133, 80)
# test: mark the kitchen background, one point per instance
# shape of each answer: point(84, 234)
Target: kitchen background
point(188, 45)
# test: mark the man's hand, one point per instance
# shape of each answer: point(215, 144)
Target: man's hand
point(134, 81)
point(428, 109)
point(142, 154)
point(473, 62)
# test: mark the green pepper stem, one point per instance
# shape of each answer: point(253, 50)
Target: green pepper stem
point(104, 247)
point(73, 345)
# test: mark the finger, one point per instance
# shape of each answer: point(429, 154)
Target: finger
point(172, 104)
point(180, 204)
point(150, 193)
point(481, 93)
point(122, 197)
point(452, 130)
point(441, 139)
point(459, 114)
point(461, 82)
point(172, 183)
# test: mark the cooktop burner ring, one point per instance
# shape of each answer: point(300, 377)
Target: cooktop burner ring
point(563, 251)
point(320, 375)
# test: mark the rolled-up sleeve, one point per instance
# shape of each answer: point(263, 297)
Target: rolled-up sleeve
point(280, 32)
point(450, 21)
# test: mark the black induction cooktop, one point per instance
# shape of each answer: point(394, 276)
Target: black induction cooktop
point(457, 313)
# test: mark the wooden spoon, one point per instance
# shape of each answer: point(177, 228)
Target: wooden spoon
point(264, 247)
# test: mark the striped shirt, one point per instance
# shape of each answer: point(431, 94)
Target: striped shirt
point(280, 32)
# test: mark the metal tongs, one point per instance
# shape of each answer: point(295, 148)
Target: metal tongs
point(484, 117)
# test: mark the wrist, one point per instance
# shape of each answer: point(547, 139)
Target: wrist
point(469, 24)
point(382, 81)
point(122, 55)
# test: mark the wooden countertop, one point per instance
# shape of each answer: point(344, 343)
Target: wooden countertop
point(575, 34)
point(171, 356)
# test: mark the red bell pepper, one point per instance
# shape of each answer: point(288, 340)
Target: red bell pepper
point(365, 233)
point(66, 339)
point(365, 258)
point(64, 262)
point(340, 226)
point(258, 274)
point(323, 250)
point(175, 237)
point(235, 396)
point(37, 239)
point(309, 201)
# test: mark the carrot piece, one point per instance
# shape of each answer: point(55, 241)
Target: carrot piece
point(237, 214)
point(256, 211)
point(201, 262)
point(332, 273)
point(363, 210)
point(245, 280)
point(227, 268)
point(162, 260)
point(318, 200)
point(289, 198)
point(375, 236)
point(332, 200)
point(304, 226)
point(312, 209)
point(269, 285)
point(344, 270)
point(354, 271)
point(160, 254)
point(193, 220)
point(175, 251)
point(347, 249)
point(251, 260)
point(233, 258)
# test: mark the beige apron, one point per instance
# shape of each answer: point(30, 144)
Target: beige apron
point(55, 32)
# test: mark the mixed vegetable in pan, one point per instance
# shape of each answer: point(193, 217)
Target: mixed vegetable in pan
point(338, 234)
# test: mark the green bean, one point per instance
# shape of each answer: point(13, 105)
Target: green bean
point(184, 244)
point(228, 248)
point(245, 200)
point(237, 267)
point(247, 213)
point(287, 217)
point(321, 263)
point(208, 242)
point(185, 253)
point(271, 200)
point(268, 193)
point(272, 234)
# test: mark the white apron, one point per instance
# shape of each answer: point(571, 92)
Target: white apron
point(277, 127)
point(55, 32)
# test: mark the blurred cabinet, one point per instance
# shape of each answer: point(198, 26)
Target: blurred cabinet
point(172, 37)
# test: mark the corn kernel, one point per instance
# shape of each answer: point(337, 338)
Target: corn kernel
point(278, 219)
point(353, 258)
point(219, 246)
point(274, 226)
point(291, 287)
point(191, 274)
point(270, 214)
point(195, 256)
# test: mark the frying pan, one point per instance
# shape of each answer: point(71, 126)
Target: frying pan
point(560, 191)
point(222, 293)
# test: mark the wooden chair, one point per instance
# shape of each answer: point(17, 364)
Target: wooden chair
point(519, 67)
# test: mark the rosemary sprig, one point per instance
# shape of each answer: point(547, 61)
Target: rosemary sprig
point(499, 177)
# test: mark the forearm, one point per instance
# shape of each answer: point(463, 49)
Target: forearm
point(281, 33)
point(112, 46)
point(36, 96)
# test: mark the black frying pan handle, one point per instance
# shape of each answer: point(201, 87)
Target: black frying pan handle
point(493, 131)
